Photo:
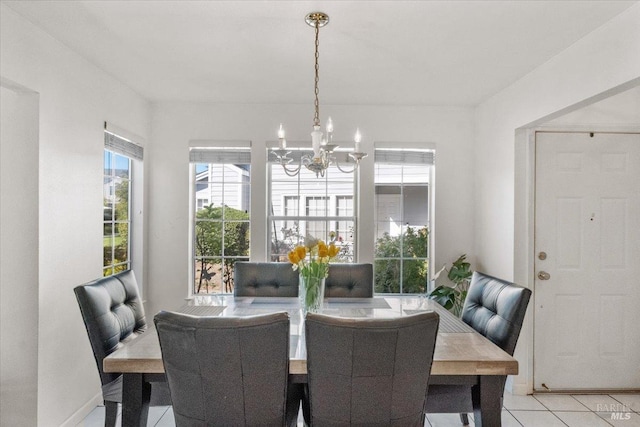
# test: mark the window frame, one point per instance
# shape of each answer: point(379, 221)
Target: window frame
point(113, 267)
point(129, 145)
point(328, 218)
point(216, 156)
point(408, 157)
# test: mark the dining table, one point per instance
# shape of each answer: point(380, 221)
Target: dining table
point(461, 356)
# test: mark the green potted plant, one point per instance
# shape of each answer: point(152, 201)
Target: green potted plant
point(452, 297)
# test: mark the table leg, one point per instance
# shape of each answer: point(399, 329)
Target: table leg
point(487, 400)
point(135, 400)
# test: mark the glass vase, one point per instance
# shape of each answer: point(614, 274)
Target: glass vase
point(311, 293)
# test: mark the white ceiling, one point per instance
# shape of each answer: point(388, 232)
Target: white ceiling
point(372, 52)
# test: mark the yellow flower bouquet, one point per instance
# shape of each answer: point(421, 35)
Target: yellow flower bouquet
point(313, 264)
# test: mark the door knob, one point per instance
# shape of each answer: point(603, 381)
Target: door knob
point(543, 275)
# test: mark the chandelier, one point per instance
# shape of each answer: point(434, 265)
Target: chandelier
point(323, 147)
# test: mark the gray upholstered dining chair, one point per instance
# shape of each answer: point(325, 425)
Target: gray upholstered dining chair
point(264, 279)
point(349, 281)
point(227, 370)
point(369, 371)
point(496, 309)
point(113, 313)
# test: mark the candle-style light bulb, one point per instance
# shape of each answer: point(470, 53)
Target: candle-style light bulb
point(283, 142)
point(329, 125)
point(316, 140)
point(357, 138)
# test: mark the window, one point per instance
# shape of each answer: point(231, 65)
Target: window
point(402, 220)
point(291, 209)
point(327, 212)
point(201, 203)
point(344, 208)
point(118, 169)
point(221, 216)
point(316, 206)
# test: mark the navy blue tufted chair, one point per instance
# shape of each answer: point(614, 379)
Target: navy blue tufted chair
point(113, 313)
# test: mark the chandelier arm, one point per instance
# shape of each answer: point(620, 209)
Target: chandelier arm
point(335, 162)
point(293, 171)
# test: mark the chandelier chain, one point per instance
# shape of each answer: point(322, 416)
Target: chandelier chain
point(316, 118)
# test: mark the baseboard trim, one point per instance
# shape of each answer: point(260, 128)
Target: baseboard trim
point(588, 391)
point(84, 410)
point(519, 389)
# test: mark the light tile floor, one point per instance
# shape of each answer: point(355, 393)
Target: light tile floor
point(543, 410)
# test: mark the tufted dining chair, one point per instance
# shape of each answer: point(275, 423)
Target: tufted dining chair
point(113, 313)
point(264, 279)
point(369, 371)
point(496, 309)
point(227, 371)
point(349, 281)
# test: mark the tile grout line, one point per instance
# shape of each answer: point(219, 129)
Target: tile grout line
point(514, 417)
point(627, 406)
point(162, 416)
point(577, 400)
point(428, 422)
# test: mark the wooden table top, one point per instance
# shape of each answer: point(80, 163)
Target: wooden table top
point(459, 349)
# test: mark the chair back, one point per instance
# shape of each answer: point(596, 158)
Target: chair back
point(369, 371)
point(226, 370)
point(112, 312)
point(496, 309)
point(264, 279)
point(349, 281)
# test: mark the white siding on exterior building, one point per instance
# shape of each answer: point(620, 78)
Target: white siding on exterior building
point(234, 193)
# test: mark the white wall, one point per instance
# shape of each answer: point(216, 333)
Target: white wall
point(605, 62)
point(18, 259)
point(604, 59)
point(450, 130)
point(621, 111)
point(75, 100)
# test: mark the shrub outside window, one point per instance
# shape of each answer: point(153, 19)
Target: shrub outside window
point(221, 216)
point(401, 263)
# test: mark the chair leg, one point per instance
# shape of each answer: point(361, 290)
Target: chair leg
point(306, 406)
point(294, 397)
point(464, 418)
point(111, 414)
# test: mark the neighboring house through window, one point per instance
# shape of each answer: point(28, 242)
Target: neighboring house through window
point(402, 179)
point(327, 210)
point(291, 210)
point(316, 208)
point(344, 208)
point(220, 216)
point(306, 206)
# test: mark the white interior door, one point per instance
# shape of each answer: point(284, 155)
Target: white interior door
point(587, 265)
